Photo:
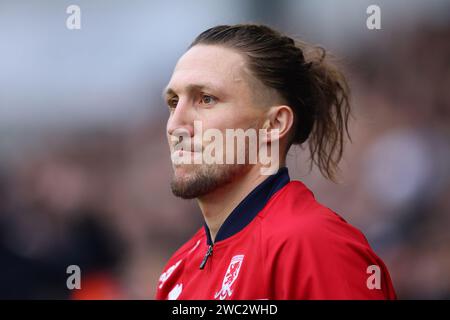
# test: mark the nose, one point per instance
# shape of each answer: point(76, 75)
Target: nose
point(181, 120)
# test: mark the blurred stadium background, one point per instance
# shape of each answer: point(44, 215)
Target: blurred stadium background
point(84, 165)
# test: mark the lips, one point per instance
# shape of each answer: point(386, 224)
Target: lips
point(183, 152)
point(179, 157)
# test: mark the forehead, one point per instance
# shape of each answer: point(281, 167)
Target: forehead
point(211, 66)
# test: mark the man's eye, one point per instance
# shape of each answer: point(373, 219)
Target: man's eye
point(172, 102)
point(207, 99)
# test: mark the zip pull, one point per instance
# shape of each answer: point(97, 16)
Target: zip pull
point(208, 253)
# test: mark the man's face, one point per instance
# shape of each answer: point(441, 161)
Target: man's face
point(210, 84)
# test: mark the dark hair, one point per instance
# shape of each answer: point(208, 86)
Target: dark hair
point(313, 87)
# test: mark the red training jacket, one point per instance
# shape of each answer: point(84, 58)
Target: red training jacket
point(279, 243)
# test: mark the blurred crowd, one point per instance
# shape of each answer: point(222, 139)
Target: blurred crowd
point(396, 172)
point(100, 198)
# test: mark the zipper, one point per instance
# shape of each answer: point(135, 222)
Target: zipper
point(205, 258)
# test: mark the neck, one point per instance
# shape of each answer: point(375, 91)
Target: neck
point(218, 205)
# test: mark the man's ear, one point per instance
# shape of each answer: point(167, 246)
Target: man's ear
point(279, 118)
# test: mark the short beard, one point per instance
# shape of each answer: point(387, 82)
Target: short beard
point(206, 179)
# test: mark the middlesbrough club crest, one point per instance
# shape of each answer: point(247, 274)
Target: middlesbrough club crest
point(230, 277)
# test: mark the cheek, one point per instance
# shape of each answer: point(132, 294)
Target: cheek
point(231, 117)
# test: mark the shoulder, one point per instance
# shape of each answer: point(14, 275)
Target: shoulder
point(313, 253)
point(294, 217)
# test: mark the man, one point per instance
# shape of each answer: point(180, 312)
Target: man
point(264, 237)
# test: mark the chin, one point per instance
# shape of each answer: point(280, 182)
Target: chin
point(183, 171)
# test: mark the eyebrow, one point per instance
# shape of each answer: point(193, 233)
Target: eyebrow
point(191, 87)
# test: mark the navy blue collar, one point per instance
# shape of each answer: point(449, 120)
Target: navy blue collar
point(250, 206)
